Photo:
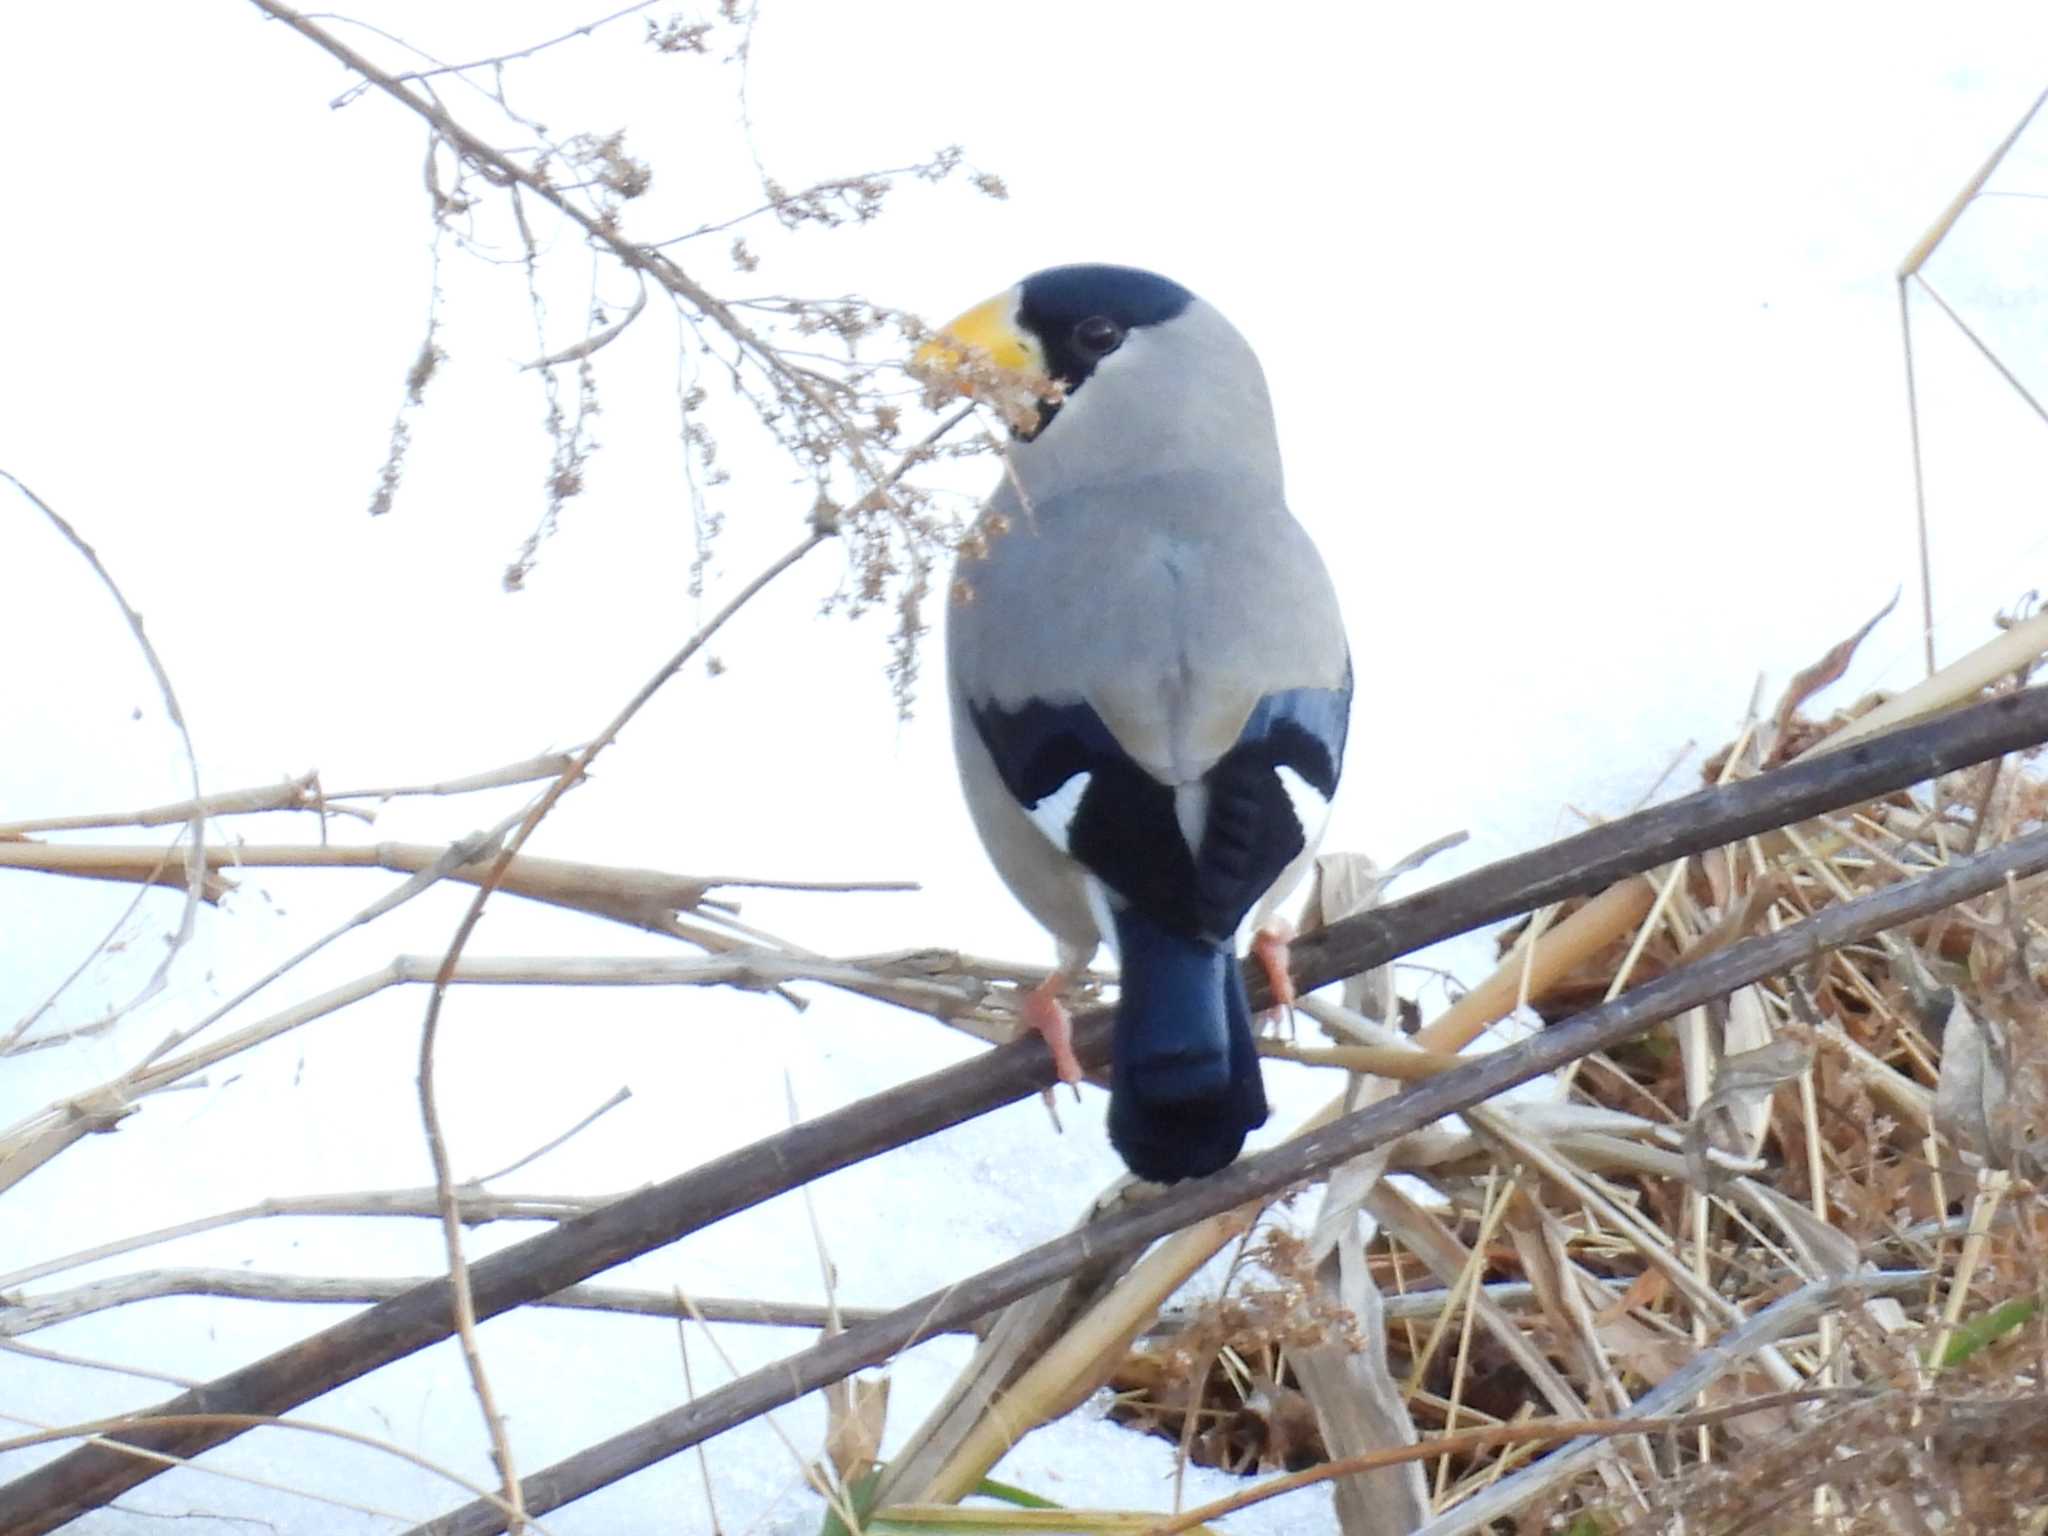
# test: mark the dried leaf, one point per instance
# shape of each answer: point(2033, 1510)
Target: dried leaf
point(1645, 1291)
point(1825, 1252)
point(1806, 684)
point(1745, 918)
point(1647, 1354)
point(1540, 1249)
point(1741, 1086)
point(1354, 1395)
point(855, 1411)
point(1349, 883)
point(1349, 1184)
point(1971, 1095)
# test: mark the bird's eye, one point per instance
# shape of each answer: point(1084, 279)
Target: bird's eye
point(1098, 335)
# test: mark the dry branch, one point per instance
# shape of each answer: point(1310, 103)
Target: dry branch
point(1590, 860)
point(303, 793)
point(478, 1206)
point(1252, 1178)
point(962, 1000)
point(30, 1314)
point(300, 794)
point(645, 898)
point(85, 1478)
point(602, 231)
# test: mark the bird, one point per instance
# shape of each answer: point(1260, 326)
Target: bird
point(1150, 684)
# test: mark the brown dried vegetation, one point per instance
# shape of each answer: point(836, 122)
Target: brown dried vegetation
point(1883, 1111)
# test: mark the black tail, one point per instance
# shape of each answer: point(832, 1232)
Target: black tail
point(1184, 1075)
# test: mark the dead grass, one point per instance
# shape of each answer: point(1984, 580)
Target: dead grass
point(1883, 1111)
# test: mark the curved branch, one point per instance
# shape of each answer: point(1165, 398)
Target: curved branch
point(195, 872)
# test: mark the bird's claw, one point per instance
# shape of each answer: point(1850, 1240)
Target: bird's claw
point(1270, 948)
point(1044, 1012)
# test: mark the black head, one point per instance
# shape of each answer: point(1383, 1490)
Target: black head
point(1081, 314)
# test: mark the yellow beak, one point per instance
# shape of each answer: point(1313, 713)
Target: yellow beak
point(986, 331)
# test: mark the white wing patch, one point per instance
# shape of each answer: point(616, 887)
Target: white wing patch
point(1054, 815)
point(1099, 908)
point(1191, 810)
point(1311, 809)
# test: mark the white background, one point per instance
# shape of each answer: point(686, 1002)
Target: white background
point(1582, 330)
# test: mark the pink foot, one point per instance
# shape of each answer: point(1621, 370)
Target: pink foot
point(1044, 1012)
point(1270, 946)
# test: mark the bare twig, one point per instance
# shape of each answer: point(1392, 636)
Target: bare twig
point(821, 530)
point(96, 1432)
point(194, 867)
point(31, 1314)
point(610, 1104)
point(601, 230)
point(18, 1038)
point(643, 897)
point(479, 1206)
point(497, 59)
point(962, 999)
point(1909, 269)
point(303, 793)
point(292, 795)
point(88, 1363)
point(597, 340)
point(545, 766)
point(430, 1115)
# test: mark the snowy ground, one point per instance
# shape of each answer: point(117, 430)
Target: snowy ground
point(1584, 339)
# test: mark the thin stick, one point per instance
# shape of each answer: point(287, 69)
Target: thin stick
point(526, 771)
point(606, 889)
point(1908, 270)
point(1919, 474)
point(597, 340)
point(621, 1096)
point(95, 1432)
point(15, 1039)
point(291, 795)
point(32, 1314)
point(88, 1363)
point(430, 1112)
point(1985, 350)
point(961, 1003)
point(478, 1206)
point(1962, 678)
point(526, 53)
point(195, 875)
point(821, 530)
point(601, 230)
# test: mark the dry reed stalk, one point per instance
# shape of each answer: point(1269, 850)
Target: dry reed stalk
point(644, 897)
point(23, 1314)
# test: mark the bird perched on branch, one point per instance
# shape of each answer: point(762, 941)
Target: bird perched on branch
point(1149, 680)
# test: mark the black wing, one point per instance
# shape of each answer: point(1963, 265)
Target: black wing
point(1122, 824)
